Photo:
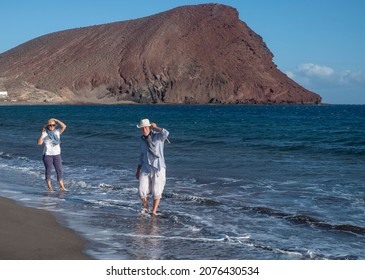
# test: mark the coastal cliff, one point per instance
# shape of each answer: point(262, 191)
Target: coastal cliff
point(201, 54)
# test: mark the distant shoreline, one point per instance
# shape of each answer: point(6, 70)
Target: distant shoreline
point(155, 104)
point(51, 104)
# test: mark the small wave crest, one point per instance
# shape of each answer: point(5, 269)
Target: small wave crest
point(5, 155)
point(192, 198)
point(304, 219)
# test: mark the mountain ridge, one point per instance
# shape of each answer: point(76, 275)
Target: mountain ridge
point(201, 54)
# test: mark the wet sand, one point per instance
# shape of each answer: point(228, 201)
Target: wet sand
point(34, 234)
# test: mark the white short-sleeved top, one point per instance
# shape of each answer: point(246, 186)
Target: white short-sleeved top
point(50, 149)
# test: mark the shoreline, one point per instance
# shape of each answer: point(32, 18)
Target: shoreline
point(20, 103)
point(33, 234)
point(162, 104)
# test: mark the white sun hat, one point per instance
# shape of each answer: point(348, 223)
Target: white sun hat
point(144, 123)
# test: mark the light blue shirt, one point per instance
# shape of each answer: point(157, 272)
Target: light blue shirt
point(146, 160)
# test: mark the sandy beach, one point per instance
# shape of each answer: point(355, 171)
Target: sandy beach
point(33, 234)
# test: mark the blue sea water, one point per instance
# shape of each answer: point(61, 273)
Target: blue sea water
point(243, 182)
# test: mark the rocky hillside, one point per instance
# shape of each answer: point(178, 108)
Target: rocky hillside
point(192, 54)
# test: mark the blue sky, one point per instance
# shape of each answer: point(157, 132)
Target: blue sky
point(318, 43)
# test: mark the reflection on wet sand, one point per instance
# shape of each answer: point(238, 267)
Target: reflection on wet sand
point(147, 238)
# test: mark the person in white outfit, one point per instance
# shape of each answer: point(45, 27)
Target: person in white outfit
point(151, 169)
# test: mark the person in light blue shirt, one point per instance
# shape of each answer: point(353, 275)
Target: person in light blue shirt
point(151, 169)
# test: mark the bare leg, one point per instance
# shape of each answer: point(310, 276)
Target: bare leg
point(49, 185)
point(156, 202)
point(145, 202)
point(62, 187)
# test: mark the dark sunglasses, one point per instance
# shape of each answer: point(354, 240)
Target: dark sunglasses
point(51, 125)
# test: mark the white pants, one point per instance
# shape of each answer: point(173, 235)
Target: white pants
point(152, 183)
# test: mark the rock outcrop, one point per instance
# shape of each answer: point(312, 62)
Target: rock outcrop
point(192, 54)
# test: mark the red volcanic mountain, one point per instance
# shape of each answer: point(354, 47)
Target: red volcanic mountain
point(192, 54)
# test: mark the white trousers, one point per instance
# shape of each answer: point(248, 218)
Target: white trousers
point(152, 183)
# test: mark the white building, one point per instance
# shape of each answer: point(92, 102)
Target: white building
point(3, 94)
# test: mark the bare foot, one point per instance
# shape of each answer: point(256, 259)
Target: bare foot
point(145, 211)
point(62, 187)
point(49, 186)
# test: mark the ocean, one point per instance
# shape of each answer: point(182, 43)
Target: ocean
point(243, 182)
